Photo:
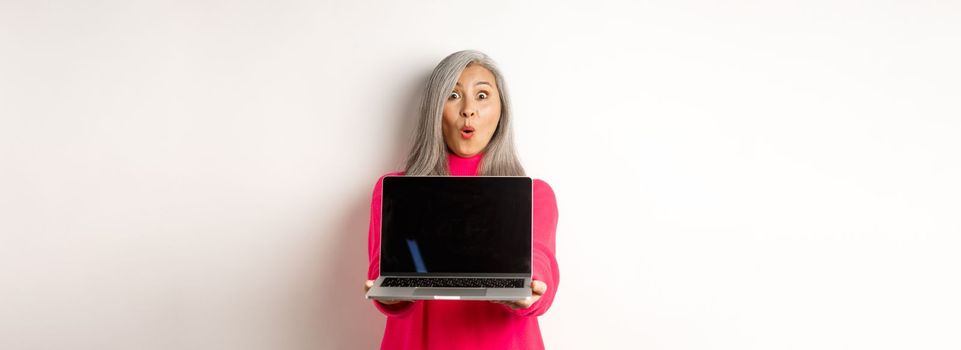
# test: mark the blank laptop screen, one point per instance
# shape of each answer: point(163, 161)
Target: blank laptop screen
point(449, 224)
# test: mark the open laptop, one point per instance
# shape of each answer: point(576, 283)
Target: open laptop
point(455, 238)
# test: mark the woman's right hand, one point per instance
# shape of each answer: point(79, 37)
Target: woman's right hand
point(370, 284)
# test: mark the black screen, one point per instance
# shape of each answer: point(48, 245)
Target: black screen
point(449, 224)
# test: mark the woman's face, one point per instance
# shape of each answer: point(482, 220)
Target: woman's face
point(472, 111)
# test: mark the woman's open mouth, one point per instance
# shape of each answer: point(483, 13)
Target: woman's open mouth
point(467, 132)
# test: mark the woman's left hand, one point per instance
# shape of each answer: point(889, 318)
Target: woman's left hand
point(538, 289)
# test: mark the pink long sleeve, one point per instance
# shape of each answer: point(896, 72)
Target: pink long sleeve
point(456, 324)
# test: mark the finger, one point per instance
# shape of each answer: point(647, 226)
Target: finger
point(525, 303)
point(509, 304)
point(538, 287)
point(393, 301)
point(368, 285)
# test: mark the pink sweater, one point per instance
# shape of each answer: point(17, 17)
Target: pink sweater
point(455, 324)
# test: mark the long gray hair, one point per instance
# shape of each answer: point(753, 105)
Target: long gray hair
point(428, 154)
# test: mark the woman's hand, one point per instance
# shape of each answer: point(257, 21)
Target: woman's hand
point(538, 289)
point(370, 284)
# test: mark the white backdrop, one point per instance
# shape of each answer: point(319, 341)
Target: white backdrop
point(750, 175)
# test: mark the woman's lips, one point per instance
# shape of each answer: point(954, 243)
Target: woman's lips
point(467, 132)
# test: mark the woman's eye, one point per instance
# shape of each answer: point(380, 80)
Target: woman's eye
point(482, 95)
point(454, 95)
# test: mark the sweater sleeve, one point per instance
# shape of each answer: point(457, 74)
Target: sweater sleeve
point(373, 253)
point(545, 267)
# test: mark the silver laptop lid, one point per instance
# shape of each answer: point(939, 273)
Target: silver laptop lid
point(456, 225)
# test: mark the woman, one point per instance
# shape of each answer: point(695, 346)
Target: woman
point(465, 130)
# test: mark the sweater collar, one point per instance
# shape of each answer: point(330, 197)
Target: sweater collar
point(460, 166)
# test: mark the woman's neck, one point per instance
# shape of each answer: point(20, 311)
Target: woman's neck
point(460, 166)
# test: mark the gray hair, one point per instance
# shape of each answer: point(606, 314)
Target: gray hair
point(428, 154)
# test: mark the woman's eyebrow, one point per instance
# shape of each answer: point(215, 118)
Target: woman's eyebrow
point(477, 83)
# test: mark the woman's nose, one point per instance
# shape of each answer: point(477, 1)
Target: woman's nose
point(468, 110)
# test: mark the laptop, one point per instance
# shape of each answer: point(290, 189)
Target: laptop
point(455, 238)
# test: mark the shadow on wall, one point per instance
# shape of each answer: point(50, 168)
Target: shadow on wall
point(349, 320)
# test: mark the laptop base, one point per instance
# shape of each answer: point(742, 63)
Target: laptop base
point(433, 293)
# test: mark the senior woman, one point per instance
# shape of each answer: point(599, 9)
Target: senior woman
point(464, 129)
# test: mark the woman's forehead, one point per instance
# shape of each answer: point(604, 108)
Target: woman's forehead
point(475, 74)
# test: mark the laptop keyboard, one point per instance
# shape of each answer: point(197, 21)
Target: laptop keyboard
point(453, 282)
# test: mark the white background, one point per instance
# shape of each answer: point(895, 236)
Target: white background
point(746, 175)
